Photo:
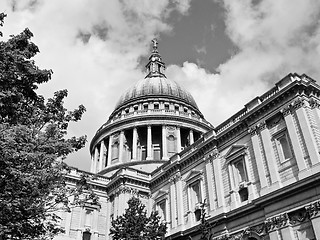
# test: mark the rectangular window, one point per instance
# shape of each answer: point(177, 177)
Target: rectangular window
point(195, 192)
point(240, 175)
point(283, 147)
point(161, 208)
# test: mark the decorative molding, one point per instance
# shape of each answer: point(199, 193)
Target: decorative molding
point(286, 111)
point(299, 103)
point(298, 216)
point(276, 222)
point(175, 177)
point(193, 176)
point(261, 126)
point(313, 209)
point(253, 130)
point(313, 103)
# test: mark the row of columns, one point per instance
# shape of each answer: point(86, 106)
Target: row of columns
point(103, 154)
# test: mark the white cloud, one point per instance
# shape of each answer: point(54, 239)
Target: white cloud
point(93, 49)
point(273, 38)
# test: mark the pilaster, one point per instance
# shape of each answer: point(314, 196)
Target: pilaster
point(259, 160)
point(270, 156)
point(173, 210)
point(300, 107)
point(217, 170)
point(210, 184)
point(294, 140)
point(313, 211)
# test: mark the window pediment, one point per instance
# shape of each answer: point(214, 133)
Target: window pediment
point(194, 175)
point(235, 151)
point(161, 194)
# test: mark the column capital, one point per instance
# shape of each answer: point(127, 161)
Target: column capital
point(175, 177)
point(298, 103)
point(313, 209)
point(314, 103)
point(286, 111)
point(261, 126)
point(277, 222)
point(253, 130)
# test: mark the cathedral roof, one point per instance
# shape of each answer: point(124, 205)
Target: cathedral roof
point(156, 84)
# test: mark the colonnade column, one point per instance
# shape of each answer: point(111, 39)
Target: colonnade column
point(149, 143)
point(191, 138)
point(164, 143)
point(96, 154)
point(178, 134)
point(134, 143)
point(102, 156)
point(92, 163)
point(109, 150)
point(121, 142)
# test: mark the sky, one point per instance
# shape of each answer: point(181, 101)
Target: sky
point(224, 52)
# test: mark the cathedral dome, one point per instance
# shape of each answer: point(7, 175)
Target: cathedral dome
point(158, 86)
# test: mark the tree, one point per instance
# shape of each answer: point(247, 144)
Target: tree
point(136, 225)
point(33, 146)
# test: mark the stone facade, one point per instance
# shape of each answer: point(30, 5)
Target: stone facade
point(258, 172)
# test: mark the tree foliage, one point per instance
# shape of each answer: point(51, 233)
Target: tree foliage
point(135, 224)
point(33, 145)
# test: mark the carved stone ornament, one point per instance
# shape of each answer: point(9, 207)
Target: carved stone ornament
point(126, 189)
point(298, 103)
point(277, 222)
point(314, 103)
point(174, 178)
point(286, 111)
point(313, 209)
point(253, 130)
point(298, 216)
point(171, 128)
point(261, 126)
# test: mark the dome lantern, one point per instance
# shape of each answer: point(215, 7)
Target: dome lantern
point(155, 66)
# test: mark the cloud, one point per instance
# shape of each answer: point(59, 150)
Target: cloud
point(93, 49)
point(272, 39)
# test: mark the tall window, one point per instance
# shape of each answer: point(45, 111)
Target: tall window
point(88, 218)
point(195, 192)
point(283, 146)
point(236, 159)
point(161, 208)
point(240, 171)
